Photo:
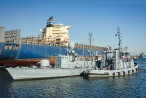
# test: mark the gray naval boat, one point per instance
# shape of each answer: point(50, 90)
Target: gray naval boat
point(115, 62)
point(65, 65)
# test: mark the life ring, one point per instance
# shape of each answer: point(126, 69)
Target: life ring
point(122, 58)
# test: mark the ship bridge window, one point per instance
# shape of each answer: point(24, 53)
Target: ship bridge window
point(6, 47)
point(17, 47)
point(10, 46)
point(14, 47)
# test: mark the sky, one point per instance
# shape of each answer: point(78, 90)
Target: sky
point(101, 17)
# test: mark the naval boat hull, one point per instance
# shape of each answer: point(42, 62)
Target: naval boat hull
point(43, 73)
point(110, 73)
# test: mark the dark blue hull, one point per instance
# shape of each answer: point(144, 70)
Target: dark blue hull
point(26, 51)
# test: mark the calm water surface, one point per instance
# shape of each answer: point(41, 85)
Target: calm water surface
point(131, 86)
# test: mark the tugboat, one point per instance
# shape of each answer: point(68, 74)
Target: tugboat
point(65, 65)
point(115, 62)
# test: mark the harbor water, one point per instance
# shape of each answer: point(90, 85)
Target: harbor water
point(130, 86)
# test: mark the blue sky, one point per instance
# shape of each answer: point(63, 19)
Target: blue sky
point(101, 17)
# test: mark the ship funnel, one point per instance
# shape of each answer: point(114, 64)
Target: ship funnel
point(71, 45)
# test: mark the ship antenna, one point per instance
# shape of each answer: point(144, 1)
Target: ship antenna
point(119, 37)
point(90, 42)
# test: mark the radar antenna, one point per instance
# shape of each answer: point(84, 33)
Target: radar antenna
point(50, 21)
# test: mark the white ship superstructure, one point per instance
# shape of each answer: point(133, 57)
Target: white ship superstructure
point(55, 33)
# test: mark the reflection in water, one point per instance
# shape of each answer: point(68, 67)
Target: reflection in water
point(125, 86)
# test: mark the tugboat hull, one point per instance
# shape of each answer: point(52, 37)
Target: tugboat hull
point(110, 73)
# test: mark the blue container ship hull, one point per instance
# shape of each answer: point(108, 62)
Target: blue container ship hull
point(28, 51)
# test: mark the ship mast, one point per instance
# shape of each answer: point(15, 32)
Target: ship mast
point(119, 37)
point(90, 42)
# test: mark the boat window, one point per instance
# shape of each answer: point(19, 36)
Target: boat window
point(14, 47)
point(17, 47)
point(6, 47)
point(10, 47)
